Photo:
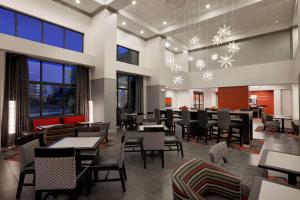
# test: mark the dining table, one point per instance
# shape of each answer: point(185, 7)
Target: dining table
point(283, 118)
point(79, 144)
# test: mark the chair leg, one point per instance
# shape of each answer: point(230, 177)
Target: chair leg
point(145, 158)
point(95, 175)
point(218, 137)
point(124, 171)
point(122, 179)
point(162, 159)
point(38, 195)
point(106, 138)
point(181, 149)
point(177, 145)
point(206, 135)
point(20, 185)
point(142, 150)
point(241, 137)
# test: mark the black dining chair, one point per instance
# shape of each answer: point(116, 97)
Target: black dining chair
point(170, 121)
point(225, 124)
point(187, 123)
point(206, 125)
point(158, 117)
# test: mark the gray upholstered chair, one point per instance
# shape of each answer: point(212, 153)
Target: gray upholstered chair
point(205, 124)
point(187, 123)
point(218, 154)
point(153, 140)
point(139, 119)
point(269, 122)
point(55, 172)
point(58, 132)
point(225, 124)
point(175, 140)
point(27, 144)
point(158, 117)
point(104, 127)
point(111, 159)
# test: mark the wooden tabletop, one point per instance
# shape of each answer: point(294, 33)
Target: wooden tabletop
point(80, 143)
point(43, 127)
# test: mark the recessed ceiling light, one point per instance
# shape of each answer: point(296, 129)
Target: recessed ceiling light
point(207, 6)
point(276, 21)
point(78, 1)
point(142, 32)
point(133, 2)
point(167, 44)
point(164, 22)
point(124, 23)
point(176, 48)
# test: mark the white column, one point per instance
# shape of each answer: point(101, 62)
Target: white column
point(277, 102)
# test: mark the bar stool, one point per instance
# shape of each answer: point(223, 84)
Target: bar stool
point(225, 124)
point(187, 123)
point(205, 124)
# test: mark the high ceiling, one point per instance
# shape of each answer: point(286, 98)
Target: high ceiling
point(146, 18)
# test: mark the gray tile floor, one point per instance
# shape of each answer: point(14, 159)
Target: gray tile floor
point(154, 183)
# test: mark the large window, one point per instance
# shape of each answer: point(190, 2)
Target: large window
point(127, 55)
point(52, 88)
point(31, 28)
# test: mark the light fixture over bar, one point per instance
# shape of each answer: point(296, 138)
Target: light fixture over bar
point(11, 117)
point(91, 111)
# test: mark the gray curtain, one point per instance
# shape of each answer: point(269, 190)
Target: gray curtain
point(15, 88)
point(139, 97)
point(82, 94)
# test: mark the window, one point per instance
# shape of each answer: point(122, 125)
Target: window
point(127, 55)
point(53, 35)
point(52, 88)
point(7, 22)
point(29, 28)
point(74, 41)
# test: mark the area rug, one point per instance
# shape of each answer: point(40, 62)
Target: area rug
point(254, 148)
point(288, 131)
point(9, 154)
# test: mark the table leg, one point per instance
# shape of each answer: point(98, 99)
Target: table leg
point(282, 125)
point(77, 160)
point(292, 179)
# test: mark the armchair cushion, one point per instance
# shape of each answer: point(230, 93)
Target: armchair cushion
point(74, 119)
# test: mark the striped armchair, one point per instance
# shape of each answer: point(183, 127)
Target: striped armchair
point(197, 180)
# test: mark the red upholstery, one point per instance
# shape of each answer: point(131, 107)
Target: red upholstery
point(74, 119)
point(44, 121)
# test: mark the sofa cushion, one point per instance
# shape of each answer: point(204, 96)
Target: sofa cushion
point(74, 119)
point(44, 121)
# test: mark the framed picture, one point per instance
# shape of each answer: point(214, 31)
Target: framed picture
point(168, 101)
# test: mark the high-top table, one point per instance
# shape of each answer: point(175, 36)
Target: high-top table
point(246, 118)
point(267, 190)
point(282, 118)
point(281, 162)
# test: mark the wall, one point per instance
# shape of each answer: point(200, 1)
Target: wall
point(2, 78)
point(295, 101)
point(266, 98)
point(233, 97)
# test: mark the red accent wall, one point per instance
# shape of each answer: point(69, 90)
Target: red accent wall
point(233, 97)
point(265, 98)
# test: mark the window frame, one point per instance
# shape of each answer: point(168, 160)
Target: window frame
point(63, 85)
point(15, 12)
point(138, 55)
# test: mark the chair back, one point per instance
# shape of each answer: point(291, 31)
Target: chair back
point(170, 118)
point(27, 144)
point(104, 127)
point(157, 115)
point(224, 119)
point(55, 168)
point(88, 132)
point(178, 132)
point(186, 117)
point(202, 118)
point(140, 118)
point(217, 153)
point(58, 132)
point(153, 140)
point(122, 148)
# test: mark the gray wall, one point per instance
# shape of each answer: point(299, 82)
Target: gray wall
point(155, 97)
point(263, 49)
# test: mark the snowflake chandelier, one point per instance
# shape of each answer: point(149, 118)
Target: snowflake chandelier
point(194, 41)
point(207, 76)
point(226, 61)
point(177, 80)
point(200, 64)
point(214, 57)
point(233, 47)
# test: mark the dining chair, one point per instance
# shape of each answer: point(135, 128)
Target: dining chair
point(225, 124)
point(170, 120)
point(175, 140)
point(269, 122)
point(158, 117)
point(58, 132)
point(55, 172)
point(27, 144)
point(104, 128)
point(206, 125)
point(153, 140)
point(187, 123)
point(110, 159)
point(139, 119)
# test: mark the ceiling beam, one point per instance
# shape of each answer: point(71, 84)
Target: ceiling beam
point(207, 16)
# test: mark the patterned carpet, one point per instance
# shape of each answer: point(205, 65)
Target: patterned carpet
point(270, 131)
point(254, 148)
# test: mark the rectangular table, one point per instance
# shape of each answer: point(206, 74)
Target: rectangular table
point(267, 190)
point(43, 127)
point(281, 162)
point(141, 127)
point(79, 144)
point(282, 118)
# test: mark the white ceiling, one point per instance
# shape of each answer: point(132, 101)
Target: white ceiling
point(246, 17)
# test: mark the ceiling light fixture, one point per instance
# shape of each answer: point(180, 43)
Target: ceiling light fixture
point(167, 44)
point(207, 6)
point(124, 23)
point(133, 2)
point(176, 48)
point(276, 21)
point(78, 1)
point(164, 23)
point(141, 32)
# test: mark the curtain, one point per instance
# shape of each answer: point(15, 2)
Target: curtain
point(83, 91)
point(139, 97)
point(15, 88)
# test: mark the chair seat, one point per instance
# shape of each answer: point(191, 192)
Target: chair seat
point(193, 121)
point(171, 140)
point(133, 140)
point(237, 120)
point(106, 160)
point(236, 124)
point(29, 168)
point(212, 123)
